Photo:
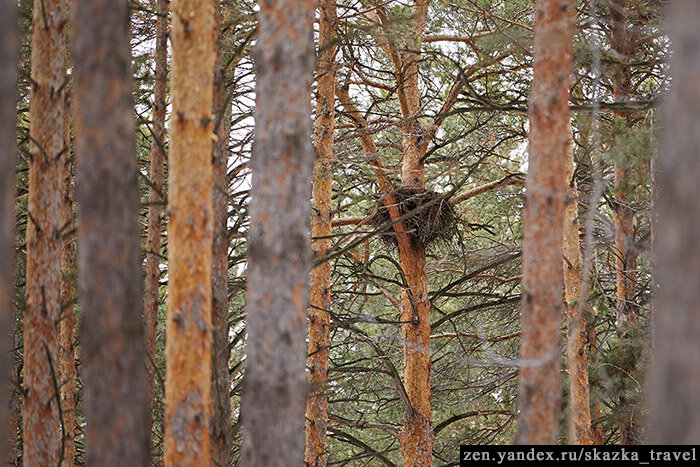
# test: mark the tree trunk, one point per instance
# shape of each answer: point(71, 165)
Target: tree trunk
point(624, 44)
point(577, 330)
point(540, 382)
point(155, 208)
point(67, 369)
point(8, 154)
point(279, 253)
point(221, 421)
point(43, 287)
point(112, 340)
point(188, 403)
point(675, 376)
point(320, 291)
point(417, 434)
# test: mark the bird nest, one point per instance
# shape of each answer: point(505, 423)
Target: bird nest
point(431, 217)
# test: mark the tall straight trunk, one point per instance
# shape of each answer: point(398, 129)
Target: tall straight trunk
point(577, 329)
point(624, 43)
point(279, 253)
point(43, 287)
point(110, 300)
point(221, 421)
point(188, 403)
point(67, 369)
point(321, 230)
point(155, 207)
point(8, 154)
point(417, 434)
point(540, 382)
point(675, 375)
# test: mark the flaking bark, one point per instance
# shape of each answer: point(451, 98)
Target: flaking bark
point(44, 242)
point(577, 321)
point(188, 406)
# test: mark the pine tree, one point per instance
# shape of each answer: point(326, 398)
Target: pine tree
point(546, 186)
point(188, 403)
point(279, 253)
point(112, 343)
point(44, 235)
point(321, 230)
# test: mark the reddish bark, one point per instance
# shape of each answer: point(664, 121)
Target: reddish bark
point(188, 404)
point(43, 288)
point(279, 253)
point(540, 381)
point(112, 342)
point(321, 230)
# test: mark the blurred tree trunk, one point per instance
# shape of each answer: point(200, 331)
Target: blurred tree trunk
point(221, 421)
point(111, 303)
point(41, 425)
point(8, 154)
point(320, 291)
point(675, 376)
point(540, 381)
point(188, 402)
point(155, 208)
point(577, 329)
point(279, 253)
point(67, 369)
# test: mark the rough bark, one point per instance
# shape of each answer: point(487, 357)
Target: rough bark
point(155, 207)
point(221, 420)
point(8, 154)
point(675, 376)
point(66, 354)
point(539, 385)
point(43, 287)
point(279, 252)
point(577, 329)
point(188, 403)
point(416, 434)
point(321, 230)
point(111, 304)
